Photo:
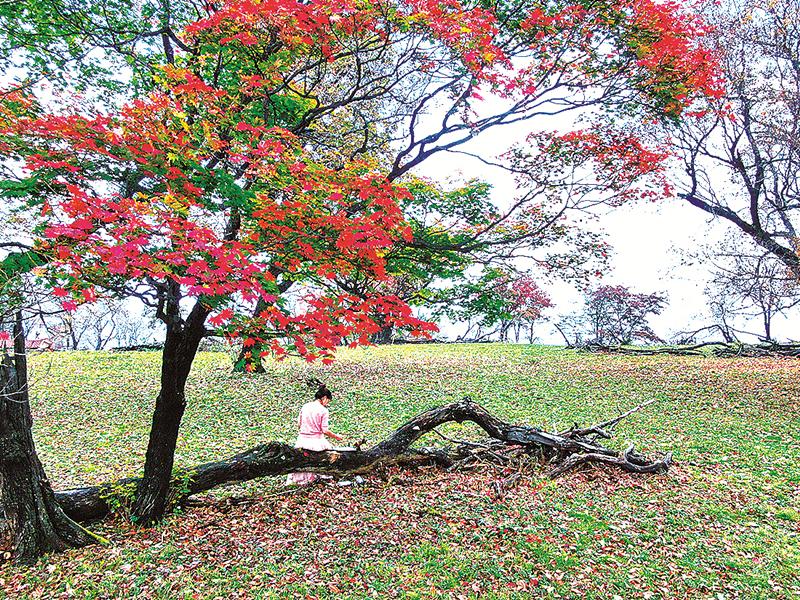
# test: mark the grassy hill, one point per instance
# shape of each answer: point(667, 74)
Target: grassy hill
point(723, 523)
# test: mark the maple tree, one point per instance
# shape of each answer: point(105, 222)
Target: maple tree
point(528, 302)
point(270, 147)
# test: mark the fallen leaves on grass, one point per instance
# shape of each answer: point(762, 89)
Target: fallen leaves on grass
point(723, 521)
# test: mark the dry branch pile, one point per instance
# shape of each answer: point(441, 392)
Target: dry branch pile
point(508, 444)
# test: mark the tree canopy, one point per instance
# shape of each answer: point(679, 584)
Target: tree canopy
point(269, 142)
point(230, 163)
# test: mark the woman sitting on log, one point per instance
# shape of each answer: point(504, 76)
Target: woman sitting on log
point(313, 424)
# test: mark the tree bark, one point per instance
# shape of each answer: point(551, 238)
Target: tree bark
point(37, 523)
point(277, 458)
point(180, 348)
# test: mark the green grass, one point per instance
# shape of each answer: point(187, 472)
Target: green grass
point(723, 523)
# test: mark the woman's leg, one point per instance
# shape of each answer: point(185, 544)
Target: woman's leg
point(308, 442)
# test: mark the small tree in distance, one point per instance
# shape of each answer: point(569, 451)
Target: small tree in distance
point(613, 314)
point(528, 302)
point(498, 303)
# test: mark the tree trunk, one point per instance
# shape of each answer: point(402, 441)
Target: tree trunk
point(275, 458)
point(726, 333)
point(180, 348)
point(73, 338)
point(384, 336)
point(36, 521)
point(249, 359)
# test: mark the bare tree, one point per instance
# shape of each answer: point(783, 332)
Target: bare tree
point(723, 313)
point(751, 283)
point(132, 329)
point(740, 163)
point(97, 326)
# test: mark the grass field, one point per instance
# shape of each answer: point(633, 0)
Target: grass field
point(723, 523)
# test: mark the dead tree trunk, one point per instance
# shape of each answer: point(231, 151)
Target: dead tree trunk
point(37, 523)
point(277, 458)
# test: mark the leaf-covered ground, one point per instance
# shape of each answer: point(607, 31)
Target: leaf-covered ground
point(723, 523)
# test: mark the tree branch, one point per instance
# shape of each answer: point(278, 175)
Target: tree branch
point(277, 458)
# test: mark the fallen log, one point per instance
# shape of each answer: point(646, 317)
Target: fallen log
point(276, 458)
point(761, 350)
point(647, 351)
point(715, 349)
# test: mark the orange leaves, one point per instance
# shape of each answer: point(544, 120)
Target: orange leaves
point(201, 161)
point(223, 316)
point(246, 38)
point(669, 45)
point(470, 31)
point(298, 25)
point(335, 220)
point(322, 323)
point(321, 29)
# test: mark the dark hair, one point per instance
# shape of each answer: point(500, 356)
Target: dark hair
point(323, 392)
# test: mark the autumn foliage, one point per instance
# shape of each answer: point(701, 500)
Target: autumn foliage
point(212, 180)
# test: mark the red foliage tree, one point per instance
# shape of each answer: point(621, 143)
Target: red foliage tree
point(527, 303)
point(259, 158)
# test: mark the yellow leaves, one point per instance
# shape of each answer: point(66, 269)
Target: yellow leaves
point(175, 203)
point(182, 120)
